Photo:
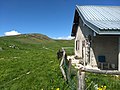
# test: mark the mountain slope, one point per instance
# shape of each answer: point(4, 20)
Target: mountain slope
point(28, 62)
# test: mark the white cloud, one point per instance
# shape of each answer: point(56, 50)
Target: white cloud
point(11, 33)
point(65, 38)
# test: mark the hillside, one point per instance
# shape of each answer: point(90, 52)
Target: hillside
point(28, 62)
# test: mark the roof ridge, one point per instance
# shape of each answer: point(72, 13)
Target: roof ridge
point(99, 5)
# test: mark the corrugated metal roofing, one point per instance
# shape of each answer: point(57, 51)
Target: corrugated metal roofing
point(102, 19)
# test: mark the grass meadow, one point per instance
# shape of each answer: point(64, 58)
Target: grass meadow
point(29, 62)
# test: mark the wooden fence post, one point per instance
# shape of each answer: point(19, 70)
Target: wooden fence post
point(62, 64)
point(69, 70)
point(81, 80)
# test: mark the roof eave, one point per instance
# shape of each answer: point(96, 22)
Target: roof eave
point(109, 33)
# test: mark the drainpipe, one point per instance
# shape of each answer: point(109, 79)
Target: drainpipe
point(119, 54)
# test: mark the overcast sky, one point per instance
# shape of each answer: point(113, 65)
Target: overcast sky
point(50, 17)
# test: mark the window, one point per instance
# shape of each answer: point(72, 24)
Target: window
point(101, 59)
point(77, 44)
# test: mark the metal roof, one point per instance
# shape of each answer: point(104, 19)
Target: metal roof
point(101, 19)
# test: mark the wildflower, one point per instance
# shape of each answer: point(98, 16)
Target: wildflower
point(100, 88)
point(96, 86)
point(58, 89)
point(104, 88)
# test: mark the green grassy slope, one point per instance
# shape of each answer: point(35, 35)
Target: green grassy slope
point(28, 62)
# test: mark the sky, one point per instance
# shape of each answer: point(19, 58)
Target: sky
point(53, 18)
